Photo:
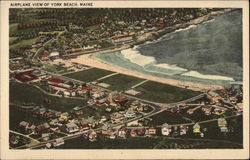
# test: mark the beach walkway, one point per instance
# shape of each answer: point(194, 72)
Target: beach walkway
point(110, 75)
point(138, 84)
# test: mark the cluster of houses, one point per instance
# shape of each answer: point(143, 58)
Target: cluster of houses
point(31, 49)
point(91, 40)
point(18, 63)
point(219, 102)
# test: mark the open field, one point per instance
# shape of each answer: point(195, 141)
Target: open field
point(164, 93)
point(55, 68)
point(89, 75)
point(24, 94)
point(167, 117)
point(145, 143)
point(121, 82)
point(23, 43)
point(12, 39)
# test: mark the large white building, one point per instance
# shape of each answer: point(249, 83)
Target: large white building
point(122, 39)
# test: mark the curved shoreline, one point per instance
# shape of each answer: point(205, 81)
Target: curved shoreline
point(88, 60)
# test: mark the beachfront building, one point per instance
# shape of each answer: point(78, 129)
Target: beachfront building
point(122, 39)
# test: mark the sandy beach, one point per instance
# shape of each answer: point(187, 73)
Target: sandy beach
point(87, 60)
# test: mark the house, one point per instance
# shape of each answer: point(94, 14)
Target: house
point(101, 101)
point(58, 142)
point(207, 109)
point(89, 48)
point(108, 110)
point(109, 132)
point(116, 117)
point(92, 122)
point(183, 130)
point(239, 107)
point(196, 128)
point(77, 110)
point(103, 119)
point(55, 122)
point(112, 136)
point(23, 125)
point(133, 133)
point(84, 126)
point(44, 56)
point(215, 97)
point(224, 129)
point(121, 100)
point(45, 136)
point(222, 122)
point(165, 129)
point(54, 55)
point(14, 139)
point(122, 132)
point(42, 128)
point(190, 111)
point(92, 135)
point(64, 117)
point(130, 113)
point(122, 39)
point(72, 127)
point(219, 111)
point(91, 102)
point(105, 127)
point(152, 130)
point(98, 95)
point(141, 131)
point(31, 127)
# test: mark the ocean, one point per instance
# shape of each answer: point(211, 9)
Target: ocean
point(208, 53)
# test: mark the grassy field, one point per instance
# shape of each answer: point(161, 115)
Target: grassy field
point(13, 27)
point(89, 75)
point(12, 39)
point(144, 143)
point(23, 43)
point(167, 117)
point(54, 68)
point(24, 94)
point(121, 82)
point(164, 93)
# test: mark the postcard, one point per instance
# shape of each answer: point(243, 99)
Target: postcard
point(124, 80)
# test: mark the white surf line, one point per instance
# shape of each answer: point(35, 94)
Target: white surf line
point(110, 75)
point(138, 84)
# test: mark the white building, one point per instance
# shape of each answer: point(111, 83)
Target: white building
point(166, 129)
point(54, 54)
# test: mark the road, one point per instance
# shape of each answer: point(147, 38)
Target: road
point(158, 108)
